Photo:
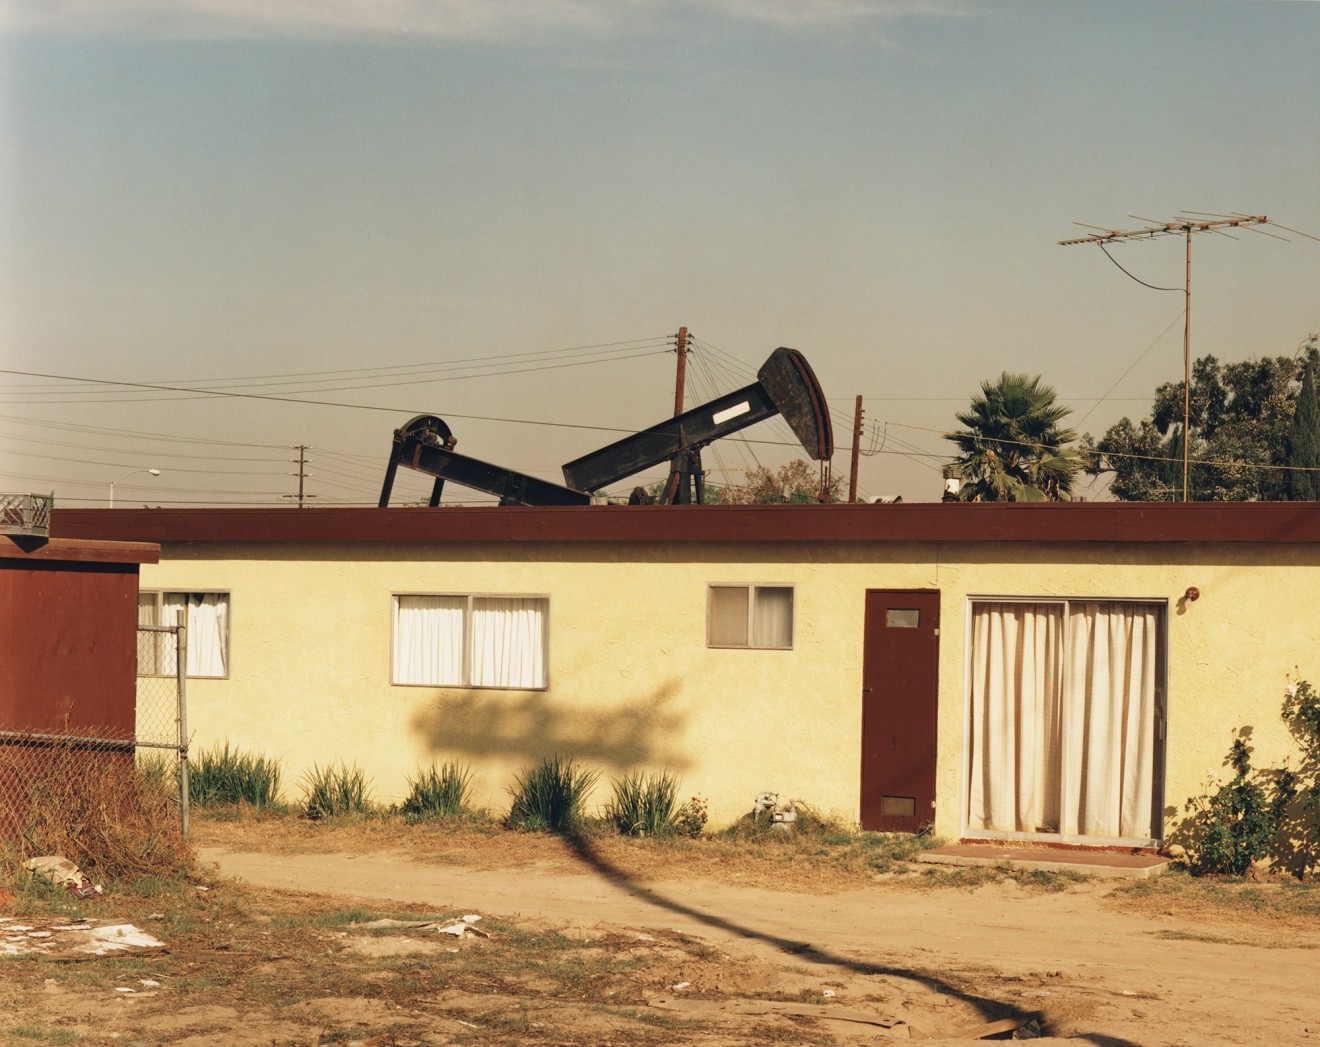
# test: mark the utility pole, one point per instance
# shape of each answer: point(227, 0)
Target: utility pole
point(680, 347)
point(856, 452)
point(301, 462)
point(1184, 227)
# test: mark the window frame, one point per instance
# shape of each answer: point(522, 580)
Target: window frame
point(1159, 769)
point(160, 594)
point(752, 588)
point(469, 598)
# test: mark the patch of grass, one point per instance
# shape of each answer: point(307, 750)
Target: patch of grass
point(222, 776)
point(551, 796)
point(1221, 899)
point(828, 838)
point(44, 1034)
point(438, 792)
point(643, 804)
point(970, 877)
point(335, 790)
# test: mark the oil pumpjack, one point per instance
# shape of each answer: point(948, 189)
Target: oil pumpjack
point(785, 386)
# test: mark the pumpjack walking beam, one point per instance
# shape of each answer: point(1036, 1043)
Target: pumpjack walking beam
point(785, 385)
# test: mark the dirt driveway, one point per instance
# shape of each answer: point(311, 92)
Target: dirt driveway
point(1095, 974)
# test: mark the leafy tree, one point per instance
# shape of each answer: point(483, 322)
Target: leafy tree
point(712, 494)
point(1240, 418)
point(1014, 448)
point(796, 482)
point(1303, 451)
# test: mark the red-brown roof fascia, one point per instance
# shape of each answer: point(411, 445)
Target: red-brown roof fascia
point(77, 550)
point(1262, 522)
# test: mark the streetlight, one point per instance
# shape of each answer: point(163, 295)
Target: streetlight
point(131, 472)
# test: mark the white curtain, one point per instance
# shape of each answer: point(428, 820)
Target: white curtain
point(208, 629)
point(207, 618)
point(428, 640)
point(508, 642)
point(1109, 720)
point(151, 648)
point(772, 618)
point(1063, 718)
point(1016, 686)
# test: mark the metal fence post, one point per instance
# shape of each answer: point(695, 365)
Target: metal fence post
point(181, 671)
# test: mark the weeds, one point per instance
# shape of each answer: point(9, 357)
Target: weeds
point(438, 792)
point(690, 819)
point(94, 807)
point(643, 804)
point(807, 825)
point(225, 777)
point(335, 790)
point(550, 797)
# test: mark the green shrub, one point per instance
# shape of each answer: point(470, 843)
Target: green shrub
point(550, 797)
point(1235, 823)
point(224, 777)
point(1262, 813)
point(438, 792)
point(643, 804)
point(335, 790)
point(1297, 849)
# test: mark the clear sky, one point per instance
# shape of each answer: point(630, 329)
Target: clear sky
point(500, 213)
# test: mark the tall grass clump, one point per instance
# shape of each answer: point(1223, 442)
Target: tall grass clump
point(223, 777)
point(643, 804)
point(335, 790)
point(550, 796)
point(159, 772)
point(438, 792)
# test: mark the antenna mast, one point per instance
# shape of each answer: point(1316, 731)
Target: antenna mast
point(1184, 227)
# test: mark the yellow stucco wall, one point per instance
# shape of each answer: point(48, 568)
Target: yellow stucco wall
point(633, 685)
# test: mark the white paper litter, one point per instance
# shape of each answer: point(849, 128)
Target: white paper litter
point(93, 939)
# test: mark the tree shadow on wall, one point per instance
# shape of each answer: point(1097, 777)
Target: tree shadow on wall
point(526, 726)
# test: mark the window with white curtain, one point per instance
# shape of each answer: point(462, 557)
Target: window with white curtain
point(1066, 714)
point(206, 615)
point(471, 641)
point(750, 616)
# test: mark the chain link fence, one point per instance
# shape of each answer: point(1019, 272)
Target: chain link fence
point(162, 703)
point(50, 774)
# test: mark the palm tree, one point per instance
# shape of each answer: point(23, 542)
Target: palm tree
point(1013, 449)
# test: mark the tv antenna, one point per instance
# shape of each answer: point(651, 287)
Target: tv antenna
point(1185, 225)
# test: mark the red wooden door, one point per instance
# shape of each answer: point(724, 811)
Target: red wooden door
point(900, 688)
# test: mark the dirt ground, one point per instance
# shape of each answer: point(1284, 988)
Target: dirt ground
point(588, 948)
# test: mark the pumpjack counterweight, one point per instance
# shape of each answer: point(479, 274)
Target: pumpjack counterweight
point(785, 385)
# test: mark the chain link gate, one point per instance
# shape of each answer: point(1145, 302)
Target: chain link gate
point(162, 705)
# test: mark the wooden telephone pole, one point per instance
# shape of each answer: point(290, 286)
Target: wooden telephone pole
point(680, 347)
point(302, 474)
point(856, 452)
point(1184, 227)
